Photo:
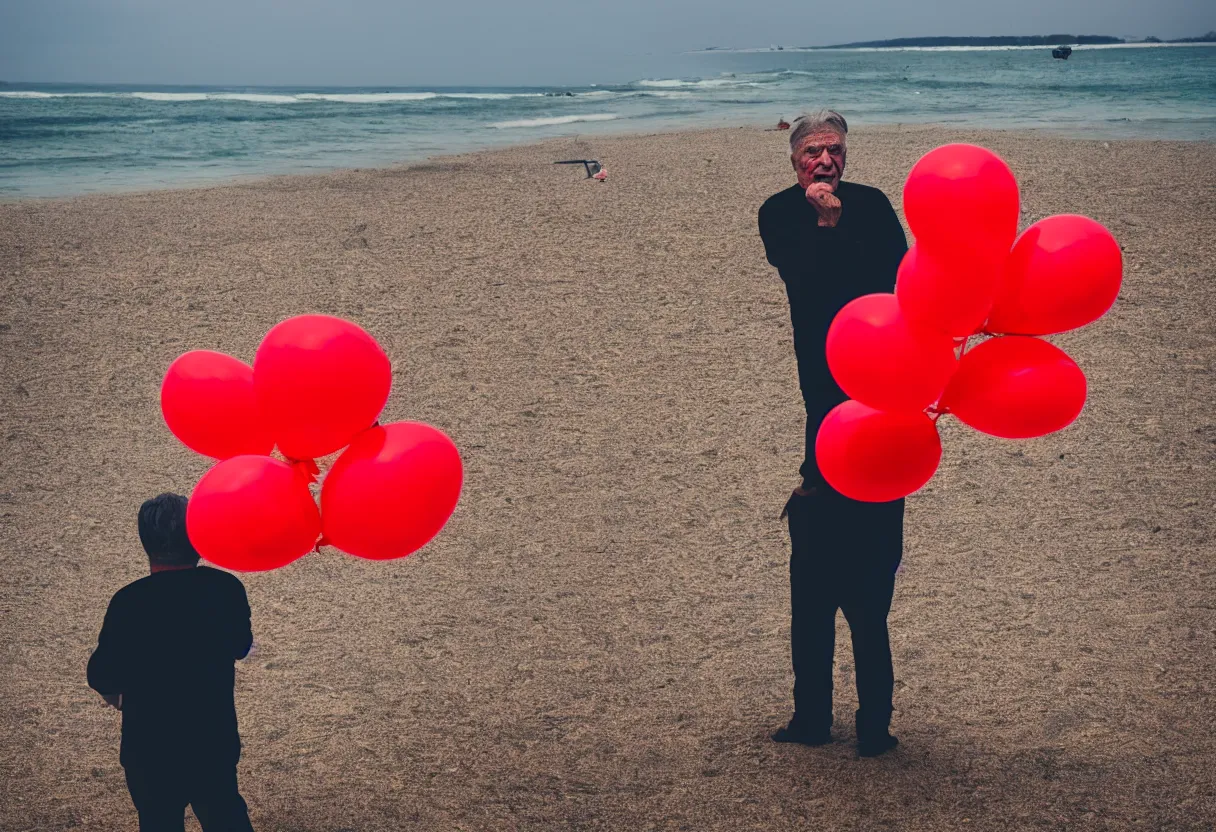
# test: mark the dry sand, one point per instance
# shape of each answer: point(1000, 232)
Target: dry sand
point(599, 639)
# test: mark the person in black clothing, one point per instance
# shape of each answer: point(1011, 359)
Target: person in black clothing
point(165, 659)
point(834, 241)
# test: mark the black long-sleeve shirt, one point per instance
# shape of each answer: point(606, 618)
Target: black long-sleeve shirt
point(823, 269)
point(168, 645)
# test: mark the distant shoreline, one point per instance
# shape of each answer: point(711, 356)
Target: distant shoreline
point(947, 44)
point(1011, 40)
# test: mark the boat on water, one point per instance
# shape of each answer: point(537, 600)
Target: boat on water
point(1061, 52)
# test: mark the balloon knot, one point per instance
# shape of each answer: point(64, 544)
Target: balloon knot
point(321, 541)
point(306, 468)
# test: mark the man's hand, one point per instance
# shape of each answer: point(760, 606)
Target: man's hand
point(826, 203)
point(805, 490)
point(113, 699)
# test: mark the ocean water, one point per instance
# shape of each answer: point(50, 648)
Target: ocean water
point(58, 140)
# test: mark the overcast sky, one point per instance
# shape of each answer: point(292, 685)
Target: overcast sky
point(495, 42)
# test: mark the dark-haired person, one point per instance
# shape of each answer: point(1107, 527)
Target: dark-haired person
point(165, 659)
point(834, 241)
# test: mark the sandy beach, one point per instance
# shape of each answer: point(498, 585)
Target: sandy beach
point(599, 638)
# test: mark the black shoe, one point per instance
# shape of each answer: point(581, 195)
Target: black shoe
point(873, 746)
point(795, 732)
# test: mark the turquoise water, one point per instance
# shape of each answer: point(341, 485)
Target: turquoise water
point(64, 140)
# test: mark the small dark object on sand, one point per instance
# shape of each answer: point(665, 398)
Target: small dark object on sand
point(592, 166)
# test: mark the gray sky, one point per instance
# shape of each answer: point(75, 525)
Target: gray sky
point(495, 42)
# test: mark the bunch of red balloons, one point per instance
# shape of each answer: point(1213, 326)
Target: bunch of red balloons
point(317, 385)
point(903, 358)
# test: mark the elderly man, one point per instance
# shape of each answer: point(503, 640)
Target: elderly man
point(833, 241)
point(165, 659)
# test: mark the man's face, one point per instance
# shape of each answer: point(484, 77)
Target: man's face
point(819, 157)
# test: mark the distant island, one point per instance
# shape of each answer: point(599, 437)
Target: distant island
point(996, 41)
point(1001, 40)
point(1210, 37)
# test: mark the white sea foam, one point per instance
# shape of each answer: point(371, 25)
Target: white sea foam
point(170, 96)
point(255, 98)
point(397, 97)
point(553, 120)
point(634, 94)
point(491, 96)
point(284, 98)
point(36, 94)
point(367, 97)
point(669, 83)
point(261, 98)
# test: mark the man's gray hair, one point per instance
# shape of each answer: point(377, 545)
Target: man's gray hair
point(816, 121)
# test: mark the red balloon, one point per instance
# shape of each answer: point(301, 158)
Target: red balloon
point(962, 198)
point(208, 402)
point(252, 513)
point(1016, 388)
point(1064, 272)
point(950, 298)
point(391, 491)
point(874, 455)
point(878, 358)
point(320, 381)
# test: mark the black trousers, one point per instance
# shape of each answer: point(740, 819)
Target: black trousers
point(844, 557)
point(162, 792)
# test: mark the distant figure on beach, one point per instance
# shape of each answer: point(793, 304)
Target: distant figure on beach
point(782, 124)
point(834, 241)
point(165, 659)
